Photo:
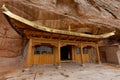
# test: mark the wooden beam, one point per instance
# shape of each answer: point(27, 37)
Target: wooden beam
point(36, 33)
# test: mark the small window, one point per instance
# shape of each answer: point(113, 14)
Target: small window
point(37, 50)
point(85, 50)
point(50, 50)
point(78, 50)
point(43, 49)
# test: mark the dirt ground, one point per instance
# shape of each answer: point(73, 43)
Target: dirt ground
point(68, 71)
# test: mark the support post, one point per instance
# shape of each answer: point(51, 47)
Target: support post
point(59, 57)
point(81, 52)
point(29, 54)
point(98, 55)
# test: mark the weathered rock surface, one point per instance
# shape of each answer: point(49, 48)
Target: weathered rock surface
point(57, 13)
point(92, 11)
point(62, 13)
point(10, 41)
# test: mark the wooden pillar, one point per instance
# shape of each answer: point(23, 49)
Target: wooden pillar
point(98, 55)
point(59, 55)
point(29, 54)
point(81, 53)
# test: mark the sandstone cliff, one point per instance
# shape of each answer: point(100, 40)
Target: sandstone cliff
point(103, 14)
point(10, 41)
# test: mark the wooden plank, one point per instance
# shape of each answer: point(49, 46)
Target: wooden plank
point(36, 58)
point(52, 59)
point(55, 54)
point(40, 59)
point(90, 57)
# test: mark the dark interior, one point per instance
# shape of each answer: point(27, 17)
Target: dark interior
point(66, 53)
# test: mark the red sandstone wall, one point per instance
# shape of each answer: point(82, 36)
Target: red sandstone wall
point(111, 53)
point(10, 41)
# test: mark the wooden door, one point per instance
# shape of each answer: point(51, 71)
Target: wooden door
point(43, 58)
point(43, 55)
point(77, 54)
point(86, 55)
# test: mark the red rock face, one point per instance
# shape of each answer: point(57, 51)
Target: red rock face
point(10, 41)
point(79, 12)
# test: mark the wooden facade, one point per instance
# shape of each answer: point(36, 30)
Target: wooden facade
point(53, 46)
point(80, 56)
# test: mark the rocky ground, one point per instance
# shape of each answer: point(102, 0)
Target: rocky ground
point(69, 71)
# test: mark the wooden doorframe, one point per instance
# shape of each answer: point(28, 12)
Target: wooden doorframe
point(69, 53)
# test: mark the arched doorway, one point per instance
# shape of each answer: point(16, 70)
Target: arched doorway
point(66, 52)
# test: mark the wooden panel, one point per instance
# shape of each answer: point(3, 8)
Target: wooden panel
point(86, 58)
point(36, 59)
point(73, 53)
point(43, 58)
point(78, 58)
point(55, 54)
